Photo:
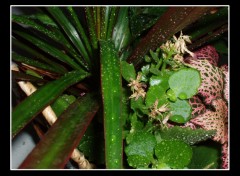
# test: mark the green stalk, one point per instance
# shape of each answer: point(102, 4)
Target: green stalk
point(112, 104)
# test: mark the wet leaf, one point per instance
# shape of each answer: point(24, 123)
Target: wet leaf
point(187, 135)
point(112, 95)
point(156, 92)
point(41, 98)
point(56, 146)
point(175, 154)
point(62, 103)
point(140, 150)
point(185, 83)
point(181, 111)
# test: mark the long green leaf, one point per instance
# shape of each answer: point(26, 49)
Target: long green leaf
point(33, 104)
point(171, 22)
point(91, 27)
point(49, 49)
point(52, 32)
point(111, 94)
point(121, 33)
point(112, 21)
point(38, 56)
point(32, 62)
point(70, 31)
point(80, 30)
point(30, 22)
point(56, 147)
point(105, 13)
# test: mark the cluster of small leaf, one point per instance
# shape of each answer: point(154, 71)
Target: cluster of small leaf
point(157, 137)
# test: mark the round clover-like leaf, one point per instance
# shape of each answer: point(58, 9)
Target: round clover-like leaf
point(140, 149)
point(174, 153)
point(159, 80)
point(154, 93)
point(181, 111)
point(185, 82)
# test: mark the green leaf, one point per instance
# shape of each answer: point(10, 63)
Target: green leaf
point(156, 92)
point(38, 56)
point(138, 106)
point(171, 95)
point(175, 154)
point(121, 32)
point(140, 151)
point(44, 19)
point(56, 147)
point(111, 21)
point(91, 27)
point(35, 103)
point(70, 31)
point(55, 52)
point(187, 135)
point(30, 22)
point(105, 14)
point(62, 103)
point(52, 33)
point(128, 71)
point(154, 56)
point(136, 126)
point(80, 30)
point(144, 73)
point(161, 80)
point(181, 111)
point(29, 61)
point(112, 102)
point(185, 83)
point(33, 73)
point(206, 156)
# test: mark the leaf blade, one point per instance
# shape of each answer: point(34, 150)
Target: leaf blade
point(111, 94)
point(55, 148)
point(70, 31)
point(41, 98)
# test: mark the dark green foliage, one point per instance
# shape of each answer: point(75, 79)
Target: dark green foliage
point(187, 135)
